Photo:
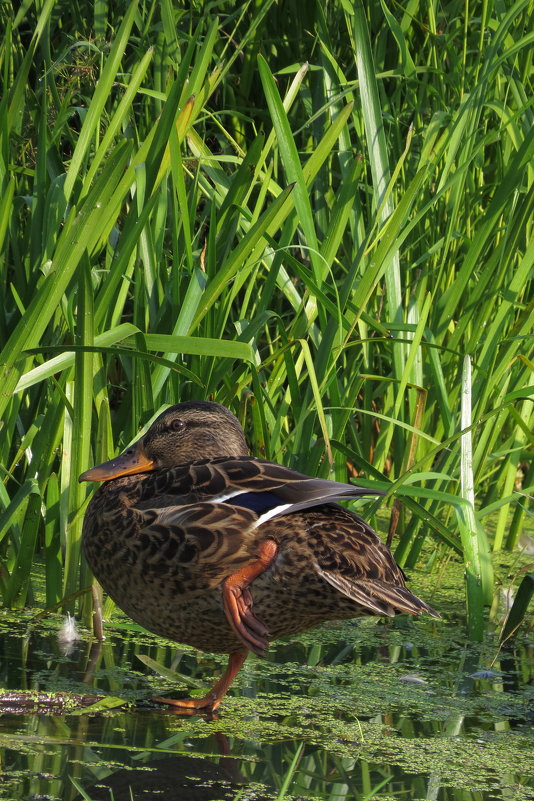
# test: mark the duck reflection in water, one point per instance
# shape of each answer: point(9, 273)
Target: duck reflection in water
point(176, 778)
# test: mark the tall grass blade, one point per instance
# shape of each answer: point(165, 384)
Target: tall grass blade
point(478, 571)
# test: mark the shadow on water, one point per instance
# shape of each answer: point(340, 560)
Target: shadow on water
point(353, 711)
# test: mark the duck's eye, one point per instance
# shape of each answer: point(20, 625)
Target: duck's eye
point(177, 425)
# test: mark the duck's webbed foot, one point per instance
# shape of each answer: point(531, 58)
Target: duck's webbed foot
point(238, 601)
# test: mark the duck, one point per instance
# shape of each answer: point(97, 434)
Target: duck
point(206, 545)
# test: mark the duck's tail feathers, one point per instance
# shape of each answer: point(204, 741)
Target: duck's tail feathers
point(376, 597)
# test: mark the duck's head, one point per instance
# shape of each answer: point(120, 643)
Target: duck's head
point(182, 433)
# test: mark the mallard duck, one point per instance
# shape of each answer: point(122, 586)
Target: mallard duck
point(205, 545)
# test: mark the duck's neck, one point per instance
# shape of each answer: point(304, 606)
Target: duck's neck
point(123, 492)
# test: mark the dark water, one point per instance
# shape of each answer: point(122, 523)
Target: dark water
point(402, 710)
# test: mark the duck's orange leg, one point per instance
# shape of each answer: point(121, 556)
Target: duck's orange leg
point(237, 600)
point(210, 702)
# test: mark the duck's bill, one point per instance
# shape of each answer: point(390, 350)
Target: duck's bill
point(131, 461)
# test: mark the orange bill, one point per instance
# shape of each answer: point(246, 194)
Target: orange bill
point(133, 460)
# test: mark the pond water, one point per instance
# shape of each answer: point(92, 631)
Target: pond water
point(360, 710)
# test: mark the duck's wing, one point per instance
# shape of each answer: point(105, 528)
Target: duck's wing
point(200, 518)
point(266, 488)
point(362, 568)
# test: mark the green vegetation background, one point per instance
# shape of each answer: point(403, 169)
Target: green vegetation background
point(317, 214)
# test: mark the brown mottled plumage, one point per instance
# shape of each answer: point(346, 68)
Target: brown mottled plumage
point(206, 546)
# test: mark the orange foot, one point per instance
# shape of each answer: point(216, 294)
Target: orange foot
point(210, 703)
point(237, 600)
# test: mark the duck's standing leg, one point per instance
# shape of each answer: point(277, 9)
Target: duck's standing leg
point(237, 600)
point(210, 702)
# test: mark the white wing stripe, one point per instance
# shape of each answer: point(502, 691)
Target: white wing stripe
point(225, 496)
point(278, 510)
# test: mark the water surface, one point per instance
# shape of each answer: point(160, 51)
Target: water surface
point(359, 710)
